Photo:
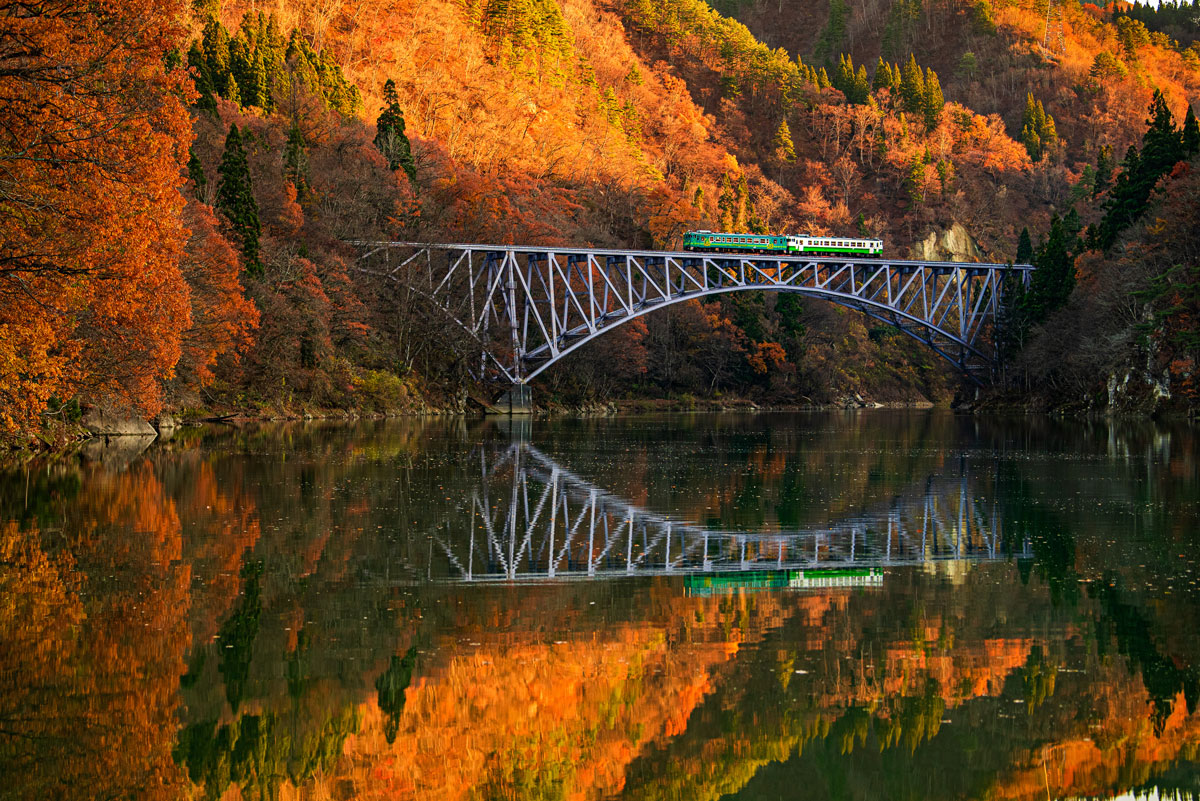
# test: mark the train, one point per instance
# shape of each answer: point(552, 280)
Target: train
point(718, 242)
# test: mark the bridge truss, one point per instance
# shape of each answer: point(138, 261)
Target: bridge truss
point(529, 307)
point(531, 518)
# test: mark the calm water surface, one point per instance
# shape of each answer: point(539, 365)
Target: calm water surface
point(822, 606)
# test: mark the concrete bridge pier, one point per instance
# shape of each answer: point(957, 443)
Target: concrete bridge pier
point(517, 400)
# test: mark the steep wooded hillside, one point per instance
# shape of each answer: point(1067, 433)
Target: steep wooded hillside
point(945, 128)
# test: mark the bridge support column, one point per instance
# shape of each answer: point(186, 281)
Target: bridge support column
point(517, 400)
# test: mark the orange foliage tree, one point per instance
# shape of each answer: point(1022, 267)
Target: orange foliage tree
point(93, 128)
point(222, 317)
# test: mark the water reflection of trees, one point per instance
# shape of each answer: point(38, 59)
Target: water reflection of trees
point(122, 589)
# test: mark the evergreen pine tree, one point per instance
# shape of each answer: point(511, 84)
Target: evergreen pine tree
point(198, 66)
point(843, 79)
point(1048, 132)
point(726, 204)
point(854, 84)
point(235, 199)
point(1122, 205)
point(789, 306)
point(206, 9)
point(945, 174)
point(1024, 248)
point(1029, 135)
point(1038, 132)
point(934, 100)
point(983, 20)
point(1012, 316)
point(241, 66)
point(914, 180)
point(968, 65)
point(883, 76)
point(258, 73)
point(1162, 145)
point(834, 32)
point(1054, 277)
point(912, 86)
point(1191, 133)
point(862, 85)
point(743, 208)
point(389, 133)
point(295, 161)
point(196, 174)
point(785, 149)
point(214, 42)
point(1104, 169)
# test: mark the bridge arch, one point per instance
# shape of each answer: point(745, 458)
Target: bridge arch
point(910, 325)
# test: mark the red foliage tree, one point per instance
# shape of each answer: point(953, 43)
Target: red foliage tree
point(93, 130)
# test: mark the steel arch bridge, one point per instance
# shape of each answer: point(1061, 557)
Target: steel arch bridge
point(532, 519)
point(528, 307)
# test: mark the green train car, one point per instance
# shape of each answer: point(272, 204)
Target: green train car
point(717, 242)
point(704, 584)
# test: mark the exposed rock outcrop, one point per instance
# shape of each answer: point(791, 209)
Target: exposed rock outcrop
point(950, 244)
point(103, 424)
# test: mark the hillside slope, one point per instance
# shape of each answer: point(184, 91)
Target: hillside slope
point(590, 122)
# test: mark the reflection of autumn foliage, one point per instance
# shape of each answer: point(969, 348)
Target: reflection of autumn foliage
point(516, 717)
point(92, 645)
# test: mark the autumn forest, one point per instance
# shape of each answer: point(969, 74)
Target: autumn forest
point(180, 184)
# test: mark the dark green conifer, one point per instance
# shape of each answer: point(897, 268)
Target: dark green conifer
point(198, 66)
point(983, 19)
point(215, 45)
point(196, 174)
point(235, 199)
point(726, 206)
point(934, 100)
point(1162, 147)
point(258, 70)
point(912, 86)
point(854, 84)
point(1054, 278)
point(1024, 248)
point(295, 161)
point(785, 149)
point(834, 32)
point(389, 133)
point(883, 76)
point(1104, 170)
point(743, 207)
point(1191, 134)
point(1012, 317)
point(1038, 132)
point(862, 84)
point(967, 67)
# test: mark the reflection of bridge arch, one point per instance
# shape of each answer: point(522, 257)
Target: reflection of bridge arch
point(530, 518)
point(530, 307)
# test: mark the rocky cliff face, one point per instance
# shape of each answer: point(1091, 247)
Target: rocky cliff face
point(950, 244)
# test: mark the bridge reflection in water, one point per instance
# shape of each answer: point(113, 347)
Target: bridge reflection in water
point(532, 519)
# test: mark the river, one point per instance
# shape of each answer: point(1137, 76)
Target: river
point(835, 605)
